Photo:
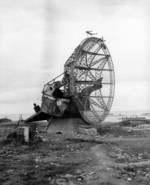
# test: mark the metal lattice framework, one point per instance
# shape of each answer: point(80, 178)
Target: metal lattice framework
point(91, 61)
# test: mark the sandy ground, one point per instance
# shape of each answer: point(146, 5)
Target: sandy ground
point(118, 155)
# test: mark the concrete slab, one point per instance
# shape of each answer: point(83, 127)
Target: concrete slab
point(71, 125)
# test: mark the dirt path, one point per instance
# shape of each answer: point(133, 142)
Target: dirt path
point(102, 170)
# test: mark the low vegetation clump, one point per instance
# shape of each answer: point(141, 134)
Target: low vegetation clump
point(2, 120)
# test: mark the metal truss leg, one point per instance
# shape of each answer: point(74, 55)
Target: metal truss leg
point(49, 122)
point(19, 121)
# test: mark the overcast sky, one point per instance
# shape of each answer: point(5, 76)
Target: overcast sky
point(38, 36)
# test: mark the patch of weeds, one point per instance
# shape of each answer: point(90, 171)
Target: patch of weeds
point(12, 138)
point(63, 168)
point(36, 181)
point(2, 120)
point(2, 166)
point(35, 141)
point(116, 131)
point(5, 142)
point(107, 183)
point(79, 140)
point(3, 178)
point(130, 169)
point(28, 176)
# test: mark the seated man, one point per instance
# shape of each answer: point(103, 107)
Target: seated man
point(36, 107)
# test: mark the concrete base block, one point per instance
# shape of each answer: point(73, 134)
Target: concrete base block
point(87, 130)
point(23, 131)
point(71, 125)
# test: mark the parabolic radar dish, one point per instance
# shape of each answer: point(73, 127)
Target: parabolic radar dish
point(89, 63)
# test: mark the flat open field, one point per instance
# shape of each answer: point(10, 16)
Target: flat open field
point(118, 155)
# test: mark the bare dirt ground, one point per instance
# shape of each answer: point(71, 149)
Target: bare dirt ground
point(116, 156)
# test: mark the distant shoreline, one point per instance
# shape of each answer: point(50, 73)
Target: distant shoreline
point(113, 116)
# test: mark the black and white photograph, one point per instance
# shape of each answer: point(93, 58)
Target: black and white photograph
point(74, 92)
